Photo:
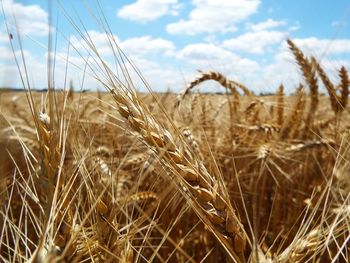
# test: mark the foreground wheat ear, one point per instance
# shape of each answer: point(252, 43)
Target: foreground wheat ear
point(203, 190)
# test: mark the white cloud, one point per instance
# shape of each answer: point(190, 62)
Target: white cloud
point(3, 36)
point(295, 27)
point(333, 65)
point(339, 24)
point(9, 73)
point(5, 53)
point(268, 24)
point(285, 70)
point(319, 47)
point(211, 16)
point(159, 76)
point(208, 57)
point(30, 19)
point(9, 76)
point(148, 10)
point(146, 45)
point(145, 52)
point(134, 47)
point(255, 42)
point(102, 42)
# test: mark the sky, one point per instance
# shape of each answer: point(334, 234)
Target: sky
point(169, 41)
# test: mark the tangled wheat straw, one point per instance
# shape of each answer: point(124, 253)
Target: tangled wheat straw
point(86, 181)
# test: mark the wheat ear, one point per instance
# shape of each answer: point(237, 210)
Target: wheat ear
point(310, 77)
point(344, 86)
point(213, 75)
point(329, 86)
point(295, 115)
point(189, 173)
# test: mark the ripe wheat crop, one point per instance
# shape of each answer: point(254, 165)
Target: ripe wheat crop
point(122, 176)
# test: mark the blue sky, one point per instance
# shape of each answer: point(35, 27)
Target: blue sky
point(170, 40)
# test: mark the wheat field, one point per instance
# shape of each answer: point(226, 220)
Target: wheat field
point(122, 176)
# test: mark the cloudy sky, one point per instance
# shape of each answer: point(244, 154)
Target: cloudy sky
point(170, 40)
